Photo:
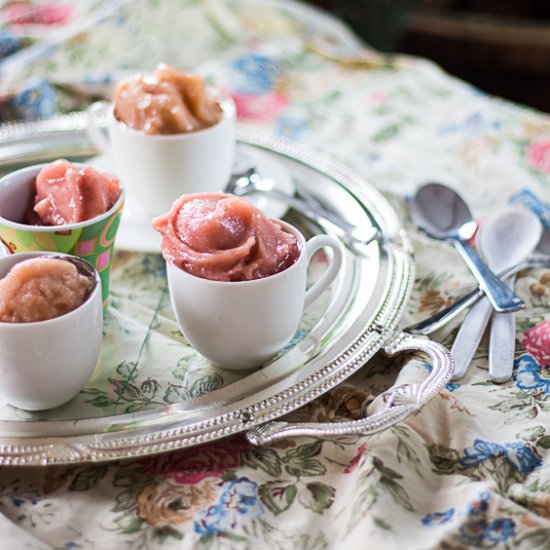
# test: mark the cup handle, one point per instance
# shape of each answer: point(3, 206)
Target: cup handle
point(313, 245)
point(95, 133)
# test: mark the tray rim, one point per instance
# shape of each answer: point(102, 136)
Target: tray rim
point(114, 445)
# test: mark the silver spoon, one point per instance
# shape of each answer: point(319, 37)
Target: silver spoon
point(250, 181)
point(502, 339)
point(442, 214)
point(540, 258)
point(82, 266)
point(505, 240)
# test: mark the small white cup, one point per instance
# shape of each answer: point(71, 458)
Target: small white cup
point(156, 169)
point(240, 325)
point(46, 363)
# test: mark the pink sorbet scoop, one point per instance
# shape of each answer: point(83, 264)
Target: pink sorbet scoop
point(224, 238)
point(66, 193)
point(41, 289)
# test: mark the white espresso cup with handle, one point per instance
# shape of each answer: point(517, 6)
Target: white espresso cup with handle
point(155, 169)
point(239, 325)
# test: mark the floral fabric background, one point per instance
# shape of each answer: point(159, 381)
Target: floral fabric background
point(472, 468)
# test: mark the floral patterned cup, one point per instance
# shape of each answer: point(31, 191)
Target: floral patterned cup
point(92, 239)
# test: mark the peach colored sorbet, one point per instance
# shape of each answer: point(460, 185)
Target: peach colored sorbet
point(224, 238)
point(66, 193)
point(169, 102)
point(41, 289)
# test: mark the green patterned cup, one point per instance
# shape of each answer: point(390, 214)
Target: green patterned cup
point(92, 239)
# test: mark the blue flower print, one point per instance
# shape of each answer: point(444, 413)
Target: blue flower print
point(529, 375)
point(37, 100)
point(481, 451)
point(238, 504)
point(438, 518)
point(254, 74)
point(522, 457)
point(480, 505)
point(472, 124)
point(18, 502)
point(529, 200)
point(9, 43)
point(500, 530)
point(473, 532)
point(518, 454)
point(290, 126)
point(477, 532)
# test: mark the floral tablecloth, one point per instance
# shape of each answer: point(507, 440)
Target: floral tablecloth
point(473, 467)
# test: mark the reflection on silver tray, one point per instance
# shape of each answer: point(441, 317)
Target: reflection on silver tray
point(151, 392)
point(136, 232)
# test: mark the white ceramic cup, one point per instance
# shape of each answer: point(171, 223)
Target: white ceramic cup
point(240, 325)
point(46, 363)
point(156, 169)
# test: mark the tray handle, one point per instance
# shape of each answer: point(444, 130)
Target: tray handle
point(400, 401)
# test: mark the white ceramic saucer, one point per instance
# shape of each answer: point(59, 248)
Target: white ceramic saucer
point(135, 232)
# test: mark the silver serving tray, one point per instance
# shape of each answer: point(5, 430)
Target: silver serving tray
point(359, 318)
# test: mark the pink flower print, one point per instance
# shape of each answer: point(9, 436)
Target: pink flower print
point(190, 466)
point(538, 156)
point(536, 341)
point(355, 460)
point(23, 13)
point(377, 97)
point(259, 107)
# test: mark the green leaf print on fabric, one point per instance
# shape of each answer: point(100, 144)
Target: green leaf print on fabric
point(305, 467)
point(376, 480)
point(388, 484)
point(443, 458)
point(88, 478)
point(522, 404)
point(278, 496)
point(363, 502)
point(391, 130)
point(544, 442)
point(206, 384)
point(304, 451)
point(264, 459)
point(300, 462)
point(317, 496)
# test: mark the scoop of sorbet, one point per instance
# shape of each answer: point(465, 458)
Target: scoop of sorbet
point(66, 193)
point(169, 102)
point(224, 238)
point(42, 288)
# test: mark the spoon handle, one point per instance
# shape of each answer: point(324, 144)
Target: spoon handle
point(502, 297)
point(303, 206)
point(469, 336)
point(447, 314)
point(502, 345)
point(315, 212)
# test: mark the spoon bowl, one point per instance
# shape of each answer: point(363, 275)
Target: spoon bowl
point(509, 238)
point(442, 214)
point(249, 181)
point(505, 240)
